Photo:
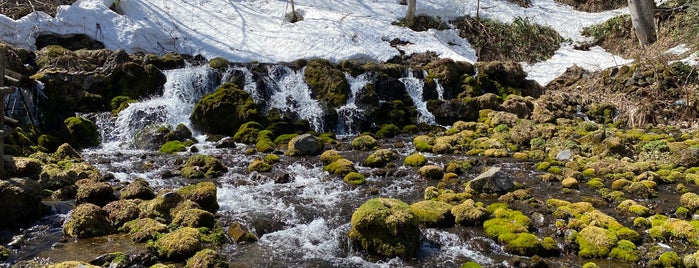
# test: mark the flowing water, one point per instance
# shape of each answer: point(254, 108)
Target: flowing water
point(414, 87)
point(349, 114)
point(291, 95)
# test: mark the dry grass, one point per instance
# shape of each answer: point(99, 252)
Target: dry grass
point(594, 5)
point(16, 9)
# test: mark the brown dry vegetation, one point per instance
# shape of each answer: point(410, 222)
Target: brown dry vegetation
point(594, 5)
point(16, 9)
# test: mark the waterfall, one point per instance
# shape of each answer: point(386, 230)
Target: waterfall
point(250, 86)
point(349, 114)
point(184, 87)
point(439, 89)
point(291, 95)
point(23, 104)
point(414, 87)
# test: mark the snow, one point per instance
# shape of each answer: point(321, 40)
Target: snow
point(678, 50)
point(255, 30)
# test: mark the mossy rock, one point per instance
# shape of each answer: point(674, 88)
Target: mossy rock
point(387, 131)
point(471, 264)
point(305, 144)
point(595, 242)
point(240, 234)
point(625, 251)
point(327, 82)
point(415, 160)
point(170, 60)
point(505, 222)
point(48, 143)
point(120, 103)
point(194, 217)
point(203, 193)
point(172, 147)
point(364, 143)
point(202, 166)
point(449, 73)
point(248, 133)
point(87, 220)
point(4, 253)
point(224, 110)
point(82, 132)
point(264, 142)
point(423, 143)
point(354, 178)
point(284, 138)
point(432, 172)
point(386, 227)
point(469, 213)
point(137, 189)
point(690, 201)
point(219, 63)
point(161, 206)
point(259, 165)
point(524, 244)
point(20, 201)
point(72, 264)
point(340, 167)
point(206, 258)
point(98, 193)
point(142, 230)
point(330, 156)
point(179, 244)
point(432, 213)
point(380, 158)
point(122, 211)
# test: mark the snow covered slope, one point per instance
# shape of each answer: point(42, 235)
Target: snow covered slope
point(255, 30)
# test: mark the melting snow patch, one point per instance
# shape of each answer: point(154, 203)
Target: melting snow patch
point(678, 50)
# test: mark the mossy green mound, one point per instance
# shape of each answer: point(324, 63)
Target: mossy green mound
point(224, 110)
point(354, 178)
point(202, 166)
point(87, 220)
point(432, 213)
point(179, 245)
point(142, 230)
point(415, 160)
point(380, 158)
point(364, 143)
point(386, 227)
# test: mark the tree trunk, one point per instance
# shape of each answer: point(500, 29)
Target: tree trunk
point(642, 18)
point(410, 14)
point(294, 18)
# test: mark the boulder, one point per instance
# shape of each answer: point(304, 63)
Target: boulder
point(492, 181)
point(380, 158)
point(179, 245)
point(327, 82)
point(194, 217)
point(386, 227)
point(151, 137)
point(364, 143)
point(142, 230)
point(121, 211)
point(469, 213)
point(432, 172)
point(203, 194)
point(98, 193)
point(137, 189)
point(206, 258)
point(432, 213)
point(240, 234)
point(224, 110)
point(305, 144)
point(82, 132)
point(23, 167)
point(450, 111)
point(20, 201)
point(202, 166)
point(87, 220)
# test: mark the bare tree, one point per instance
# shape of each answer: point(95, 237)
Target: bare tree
point(294, 17)
point(410, 14)
point(643, 21)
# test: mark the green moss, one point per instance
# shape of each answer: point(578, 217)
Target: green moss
point(206, 258)
point(387, 131)
point(690, 201)
point(87, 220)
point(423, 143)
point(364, 143)
point(340, 167)
point(271, 159)
point(471, 264)
point(386, 227)
point(505, 223)
point(172, 147)
point(194, 217)
point(354, 178)
point(625, 251)
point(542, 166)
point(202, 166)
point(179, 245)
point(218, 63)
point(667, 259)
point(248, 133)
point(142, 230)
point(380, 158)
point(203, 194)
point(225, 110)
point(469, 213)
point(330, 156)
point(595, 183)
point(327, 82)
point(432, 213)
point(595, 242)
point(4, 253)
point(284, 138)
point(119, 103)
point(259, 165)
point(82, 132)
point(415, 160)
point(524, 244)
point(590, 265)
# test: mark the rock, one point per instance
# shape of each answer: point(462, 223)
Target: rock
point(121, 211)
point(206, 258)
point(354, 178)
point(202, 166)
point(137, 189)
point(240, 234)
point(469, 213)
point(161, 206)
point(595, 242)
point(432, 172)
point(450, 111)
point(281, 178)
point(570, 183)
point(564, 155)
point(179, 245)
point(70, 264)
point(194, 218)
point(449, 73)
point(305, 144)
point(329, 156)
point(364, 143)
point(340, 167)
point(386, 227)
point(142, 230)
point(229, 100)
point(87, 220)
point(20, 201)
point(387, 131)
point(82, 132)
point(259, 165)
point(23, 167)
point(432, 213)
point(203, 193)
point(53, 177)
point(98, 193)
point(415, 160)
point(380, 158)
point(226, 143)
point(688, 158)
point(66, 151)
point(492, 181)
point(151, 137)
point(327, 82)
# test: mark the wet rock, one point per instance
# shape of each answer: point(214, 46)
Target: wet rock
point(354, 178)
point(450, 111)
point(178, 245)
point(449, 73)
point(564, 155)
point(240, 234)
point(415, 160)
point(194, 218)
point(19, 167)
point(330, 156)
point(432, 172)
point(227, 100)
point(305, 144)
point(206, 258)
point(282, 178)
point(340, 167)
point(20, 201)
point(432, 213)
point(595, 242)
point(202, 166)
point(82, 132)
point(138, 189)
point(121, 211)
point(203, 194)
point(142, 230)
point(469, 213)
point(364, 143)
point(380, 158)
point(161, 206)
point(492, 181)
point(87, 220)
point(98, 193)
point(72, 264)
point(327, 83)
point(151, 137)
point(521, 106)
point(386, 227)
point(226, 143)
point(688, 158)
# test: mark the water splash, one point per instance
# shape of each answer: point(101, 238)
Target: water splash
point(414, 87)
point(349, 114)
point(184, 87)
point(439, 89)
point(290, 94)
point(249, 86)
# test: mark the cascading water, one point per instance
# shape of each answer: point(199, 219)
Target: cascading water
point(439, 89)
point(184, 87)
point(249, 82)
point(23, 104)
point(414, 87)
point(349, 113)
point(290, 94)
